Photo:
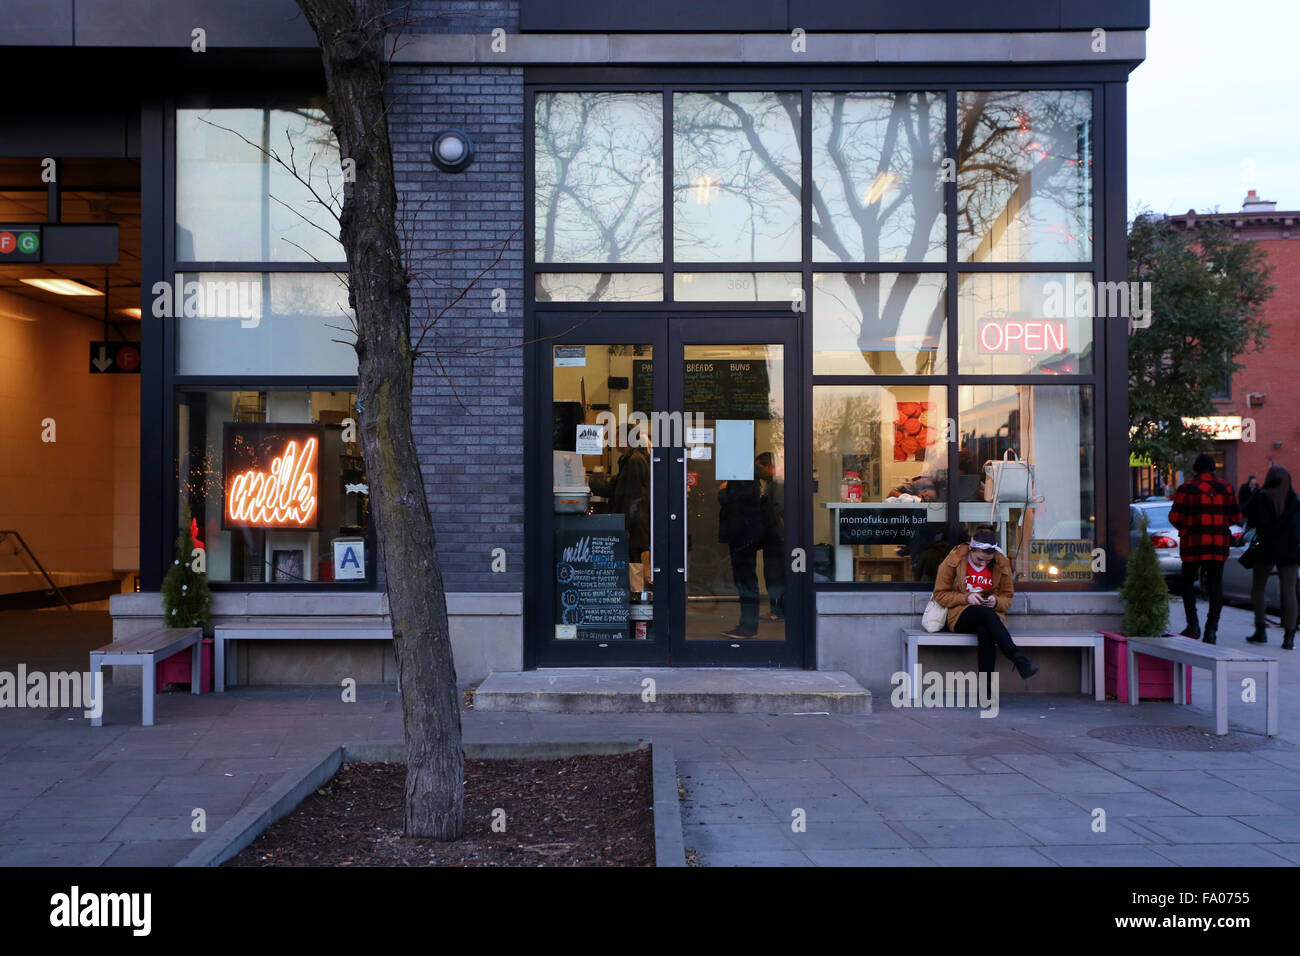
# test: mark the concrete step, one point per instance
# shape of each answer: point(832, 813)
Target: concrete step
point(713, 690)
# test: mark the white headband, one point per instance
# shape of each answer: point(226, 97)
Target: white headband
point(982, 546)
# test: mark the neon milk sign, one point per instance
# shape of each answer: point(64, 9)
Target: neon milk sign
point(272, 477)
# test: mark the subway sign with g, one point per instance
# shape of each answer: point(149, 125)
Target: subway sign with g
point(20, 243)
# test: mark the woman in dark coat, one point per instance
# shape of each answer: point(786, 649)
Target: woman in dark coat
point(1274, 513)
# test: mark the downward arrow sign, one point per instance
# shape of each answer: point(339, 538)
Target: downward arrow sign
point(103, 361)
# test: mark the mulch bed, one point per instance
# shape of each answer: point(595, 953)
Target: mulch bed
point(579, 811)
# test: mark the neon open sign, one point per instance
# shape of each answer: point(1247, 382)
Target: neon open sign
point(272, 476)
point(1027, 336)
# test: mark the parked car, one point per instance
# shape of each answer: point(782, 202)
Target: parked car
point(1237, 577)
point(1163, 534)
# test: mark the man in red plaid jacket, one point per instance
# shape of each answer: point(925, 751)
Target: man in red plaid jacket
point(1203, 509)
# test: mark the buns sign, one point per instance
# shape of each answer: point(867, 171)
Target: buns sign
point(272, 476)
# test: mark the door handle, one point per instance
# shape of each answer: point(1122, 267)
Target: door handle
point(684, 570)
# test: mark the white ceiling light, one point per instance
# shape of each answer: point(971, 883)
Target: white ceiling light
point(62, 286)
point(452, 151)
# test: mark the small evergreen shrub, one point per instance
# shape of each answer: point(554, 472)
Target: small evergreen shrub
point(1145, 593)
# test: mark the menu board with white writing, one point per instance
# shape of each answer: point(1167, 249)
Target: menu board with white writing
point(721, 388)
point(591, 577)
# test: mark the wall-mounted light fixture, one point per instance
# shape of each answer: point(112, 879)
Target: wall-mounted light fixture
point(453, 151)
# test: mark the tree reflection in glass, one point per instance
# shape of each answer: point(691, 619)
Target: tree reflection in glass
point(598, 177)
point(1024, 176)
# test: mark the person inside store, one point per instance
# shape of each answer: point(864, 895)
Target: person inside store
point(1204, 511)
point(1274, 513)
point(740, 528)
point(1246, 492)
point(628, 491)
point(975, 584)
point(772, 508)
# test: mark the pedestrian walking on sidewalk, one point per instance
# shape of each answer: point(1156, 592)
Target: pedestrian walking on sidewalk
point(1204, 510)
point(975, 585)
point(1274, 513)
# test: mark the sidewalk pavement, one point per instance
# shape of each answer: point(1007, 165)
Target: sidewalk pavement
point(923, 787)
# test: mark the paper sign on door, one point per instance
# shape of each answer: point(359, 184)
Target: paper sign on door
point(590, 440)
point(735, 447)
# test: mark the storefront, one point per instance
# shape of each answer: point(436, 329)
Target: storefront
point(767, 321)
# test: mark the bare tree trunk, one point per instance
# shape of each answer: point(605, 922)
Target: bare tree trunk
point(351, 38)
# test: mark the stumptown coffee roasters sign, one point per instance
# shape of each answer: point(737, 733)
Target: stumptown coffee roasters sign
point(272, 476)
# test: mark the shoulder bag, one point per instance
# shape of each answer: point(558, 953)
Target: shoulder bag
point(934, 617)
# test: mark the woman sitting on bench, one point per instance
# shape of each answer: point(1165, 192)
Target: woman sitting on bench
point(974, 584)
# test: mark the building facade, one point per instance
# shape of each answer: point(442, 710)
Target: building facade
point(1263, 392)
point(738, 318)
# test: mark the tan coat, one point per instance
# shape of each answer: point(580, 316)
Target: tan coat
point(950, 584)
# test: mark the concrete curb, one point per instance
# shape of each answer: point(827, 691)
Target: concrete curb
point(290, 790)
point(670, 843)
point(281, 799)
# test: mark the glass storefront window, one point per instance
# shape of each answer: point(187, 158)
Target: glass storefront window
point(277, 323)
point(1026, 323)
point(880, 482)
point(1024, 176)
point(599, 287)
point(877, 162)
point(879, 323)
point(737, 177)
point(1050, 430)
point(598, 177)
point(737, 286)
point(234, 203)
point(276, 484)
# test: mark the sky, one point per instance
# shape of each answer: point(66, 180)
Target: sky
point(1215, 109)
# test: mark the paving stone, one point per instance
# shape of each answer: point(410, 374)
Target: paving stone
point(755, 858)
point(1077, 830)
point(1128, 804)
point(772, 769)
point(1261, 779)
point(927, 833)
point(1288, 851)
point(1202, 830)
point(1283, 756)
point(152, 853)
point(1177, 781)
point(52, 830)
point(823, 809)
point(869, 766)
point(926, 808)
point(797, 791)
point(1222, 854)
point(962, 764)
point(1025, 806)
point(56, 854)
point(739, 837)
point(1283, 828)
point(1096, 780)
point(136, 828)
point(1227, 803)
point(1103, 856)
point(1283, 798)
point(869, 857)
point(705, 770)
point(900, 785)
point(111, 806)
point(847, 835)
point(991, 784)
point(986, 856)
point(743, 811)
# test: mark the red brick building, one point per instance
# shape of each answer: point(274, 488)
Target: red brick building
point(1267, 390)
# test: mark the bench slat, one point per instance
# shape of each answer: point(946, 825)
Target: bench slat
point(1186, 647)
point(151, 641)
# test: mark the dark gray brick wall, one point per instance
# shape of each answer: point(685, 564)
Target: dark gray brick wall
point(463, 16)
point(468, 413)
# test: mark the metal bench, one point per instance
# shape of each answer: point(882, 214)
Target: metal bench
point(1222, 662)
point(1092, 677)
point(145, 651)
point(286, 632)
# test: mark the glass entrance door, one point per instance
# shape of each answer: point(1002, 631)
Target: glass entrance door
point(663, 501)
point(736, 478)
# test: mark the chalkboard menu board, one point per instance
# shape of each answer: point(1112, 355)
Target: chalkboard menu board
point(591, 583)
point(643, 385)
point(727, 389)
point(880, 525)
